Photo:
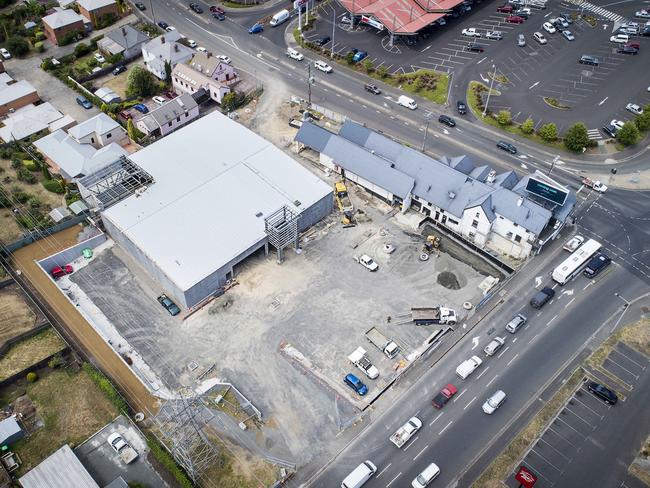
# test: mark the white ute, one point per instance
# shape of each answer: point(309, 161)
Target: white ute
point(361, 361)
point(293, 54)
point(406, 431)
point(468, 367)
point(121, 447)
point(471, 32)
point(367, 262)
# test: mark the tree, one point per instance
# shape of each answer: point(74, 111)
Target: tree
point(141, 83)
point(382, 71)
point(133, 132)
point(81, 49)
point(528, 126)
point(367, 64)
point(576, 137)
point(104, 108)
point(643, 121)
point(168, 71)
point(504, 117)
point(628, 134)
point(229, 102)
point(46, 172)
point(17, 46)
point(349, 57)
point(548, 132)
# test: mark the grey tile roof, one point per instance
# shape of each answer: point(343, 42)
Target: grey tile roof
point(91, 5)
point(171, 110)
point(60, 470)
point(62, 18)
point(127, 36)
point(99, 124)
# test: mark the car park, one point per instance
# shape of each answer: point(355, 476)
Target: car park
point(475, 48)
point(495, 35)
point(523, 12)
point(617, 123)
point(590, 60)
point(159, 100)
point(634, 108)
point(59, 271)
point(506, 9)
point(293, 54)
point(142, 108)
point(602, 392)
point(537, 4)
point(356, 384)
point(521, 40)
point(461, 107)
point(141, 6)
point(627, 50)
point(118, 70)
point(516, 323)
point(539, 37)
point(515, 19)
point(192, 43)
point(83, 101)
point(598, 263)
point(561, 22)
point(372, 88)
point(574, 243)
point(468, 366)
point(610, 130)
point(494, 401)
point(633, 44)
point(169, 305)
point(224, 59)
point(506, 146)
point(568, 35)
point(494, 345)
point(620, 39)
point(448, 121)
point(542, 297)
point(567, 17)
point(548, 27)
point(429, 473)
point(321, 41)
point(471, 32)
point(323, 66)
point(218, 16)
point(256, 28)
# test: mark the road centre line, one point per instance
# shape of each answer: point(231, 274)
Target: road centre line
point(513, 358)
point(391, 481)
point(460, 395)
point(503, 352)
point(383, 470)
point(490, 382)
point(482, 373)
point(418, 454)
point(434, 420)
point(445, 427)
point(470, 402)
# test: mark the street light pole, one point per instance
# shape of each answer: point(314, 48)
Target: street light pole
point(555, 160)
point(426, 131)
point(310, 80)
point(625, 302)
point(333, 31)
point(490, 92)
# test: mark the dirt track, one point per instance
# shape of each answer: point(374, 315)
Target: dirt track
point(80, 331)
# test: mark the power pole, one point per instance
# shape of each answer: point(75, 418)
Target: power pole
point(333, 31)
point(555, 160)
point(426, 130)
point(490, 92)
point(310, 81)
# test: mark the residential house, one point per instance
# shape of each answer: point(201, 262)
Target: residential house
point(61, 23)
point(207, 72)
point(164, 49)
point(95, 10)
point(99, 131)
point(16, 95)
point(124, 40)
point(172, 115)
point(33, 119)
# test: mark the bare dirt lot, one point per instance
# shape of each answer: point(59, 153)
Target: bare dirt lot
point(16, 314)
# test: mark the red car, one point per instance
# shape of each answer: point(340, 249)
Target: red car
point(125, 115)
point(217, 10)
point(59, 271)
point(170, 94)
point(515, 19)
point(444, 396)
point(633, 44)
point(506, 9)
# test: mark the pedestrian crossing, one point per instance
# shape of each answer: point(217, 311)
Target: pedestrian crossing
point(594, 134)
point(600, 11)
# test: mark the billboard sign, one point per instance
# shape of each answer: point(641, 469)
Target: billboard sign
point(548, 192)
point(526, 477)
point(372, 22)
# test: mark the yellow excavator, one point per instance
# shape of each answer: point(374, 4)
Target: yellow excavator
point(432, 243)
point(345, 204)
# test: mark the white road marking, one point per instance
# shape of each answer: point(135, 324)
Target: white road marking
point(490, 382)
point(588, 285)
point(570, 302)
point(460, 395)
point(513, 358)
point(481, 60)
point(383, 470)
point(418, 454)
point(391, 481)
point(482, 373)
point(503, 352)
point(433, 421)
point(445, 427)
point(470, 402)
point(533, 85)
point(411, 443)
point(549, 322)
point(603, 101)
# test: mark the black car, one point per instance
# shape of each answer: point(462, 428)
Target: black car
point(542, 297)
point(369, 87)
point(567, 17)
point(506, 146)
point(118, 70)
point(610, 130)
point(196, 7)
point(162, 24)
point(140, 6)
point(461, 107)
point(627, 50)
point(598, 263)
point(218, 16)
point(475, 48)
point(170, 306)
point(321, 41)
point(445, 119)
point(605, 394)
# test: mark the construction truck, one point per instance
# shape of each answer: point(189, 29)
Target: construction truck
point(345, 204)
point(432, 243)
point(383, 343)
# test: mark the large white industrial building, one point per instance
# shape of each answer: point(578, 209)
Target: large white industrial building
point(193, 205)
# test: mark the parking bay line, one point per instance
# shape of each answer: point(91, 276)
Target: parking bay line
point(636, 376)
point(383, 470)
point(556, 450)
point(434, 420)
point(566, 408)
point(470, 402)
point(391, 481)
point(629, 358)
point(564, 439)
point(588, 407)
point(547, 461)
point(445, 427)
point(418, 454)
point(572, 428)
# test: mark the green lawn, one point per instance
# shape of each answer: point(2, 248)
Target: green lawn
point(409, 83)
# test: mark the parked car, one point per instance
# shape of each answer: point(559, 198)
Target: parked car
point(321, 41)
point(125, 115)
point(567, 17)
point(539, 37)
point(369, 87)
point(506, 146)
point(548, 27)
point(201, 49)
point(140, 107)
point(141, 6)
point(574, 243)
point(610, 130)
point(620, 39)
point(159, 100)
point(495, 35)
point(560, 22)
point(359, 56)
point(170, 28)
point(448, 121)
point(225, 59)
point(617, 123)
point(356, 384)
point(642, 14)
point(118, 70)
point(323, 66)
point(627, 50)
point(633, 44)
point(521, 40)
point(590, 60)
point(170, 94)
point(59, 271)
point(523, 12)
point(83, 101)
point(169, 305)
point(471, 32)
point(568, 35)
point(192, 43)
point(506, 9)
point(256, 28)
point(475, 48)
point(515, 19)
point(634, 108)
point(602, 392)
point(163, 25)
point(100, 59)
point(219, 16)
point(461, 107)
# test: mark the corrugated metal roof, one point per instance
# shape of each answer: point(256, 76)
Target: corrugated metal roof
point(60, 470)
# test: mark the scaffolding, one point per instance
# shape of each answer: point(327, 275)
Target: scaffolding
point(281, 228)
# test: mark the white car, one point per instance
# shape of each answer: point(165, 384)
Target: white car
point(496, 35)
point(642, 14)
point(323, 66)
point(427, 476)
point(224, 58)
point(617, 123)
point(100, 58)
point(634, 108)
point(568, 35)
point(574, 243)
point(468, 366)
point(367, 262)
point(293, 54)
point(548, 27)
point(471, 32)
point(191, 43)
point(201, 49)
point(620, 39)
point(5, 53)
point(170, 28)
point(159, 100)
point(539, 37)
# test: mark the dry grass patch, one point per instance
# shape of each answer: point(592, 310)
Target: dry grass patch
point(118, 83)
point(637, 335)
point(30, 351)
point(16, 316)
point(71, 407)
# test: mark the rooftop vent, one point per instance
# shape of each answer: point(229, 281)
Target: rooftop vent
point(492, 175)
point(140, 191)
point(451, 195)
point(520, 201)
point(297, 203)
point(258, 214)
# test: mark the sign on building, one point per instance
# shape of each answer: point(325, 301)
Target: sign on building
point(546, 191)
point(372, 22)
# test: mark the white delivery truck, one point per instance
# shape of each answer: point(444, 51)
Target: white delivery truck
point(407, 102)
point(361, 474)
point(281, 16)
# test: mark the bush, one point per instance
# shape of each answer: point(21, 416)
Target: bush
point(643, 121)
point(382, 71)
point(39, 47)
point(367, 65)
point(39, 36)
point(30, 164)
point(32, 377)
point(166, 459)
point(504, 117)
point(54, 186)
point(47, 64)
point(106, 386)
point(17, 46)
point(548, 132)
point(576, 137)
point(629, 134)
point(229, 102)
point(56, 362)
point(26, 176)
point(34, 203)
point(69, 38)
point(349, 57)
point(106, 20)
point(528, 126)
point(81, 49)
point(21, 196)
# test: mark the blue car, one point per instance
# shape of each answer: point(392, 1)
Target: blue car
point(356, 384)
point(256, 29)
point(359, 56)
point(141, 108)
point(83, 101)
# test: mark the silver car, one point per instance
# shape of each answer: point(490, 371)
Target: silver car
point(495, 35)
point(496, 344)
point(494, 402)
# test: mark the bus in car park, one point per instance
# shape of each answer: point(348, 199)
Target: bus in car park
point(572, 265)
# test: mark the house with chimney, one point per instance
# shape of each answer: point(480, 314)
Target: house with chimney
point(95, 10)
point(170, 116)
point(164, 49)
point(125, 40)
point(61, 23)
point(206, 72)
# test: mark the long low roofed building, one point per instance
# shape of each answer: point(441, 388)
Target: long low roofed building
point(500, 213)
point(207, 195)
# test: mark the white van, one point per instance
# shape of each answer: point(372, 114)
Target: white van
point(361, 474)
point(280, 17)
point(407, 102)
